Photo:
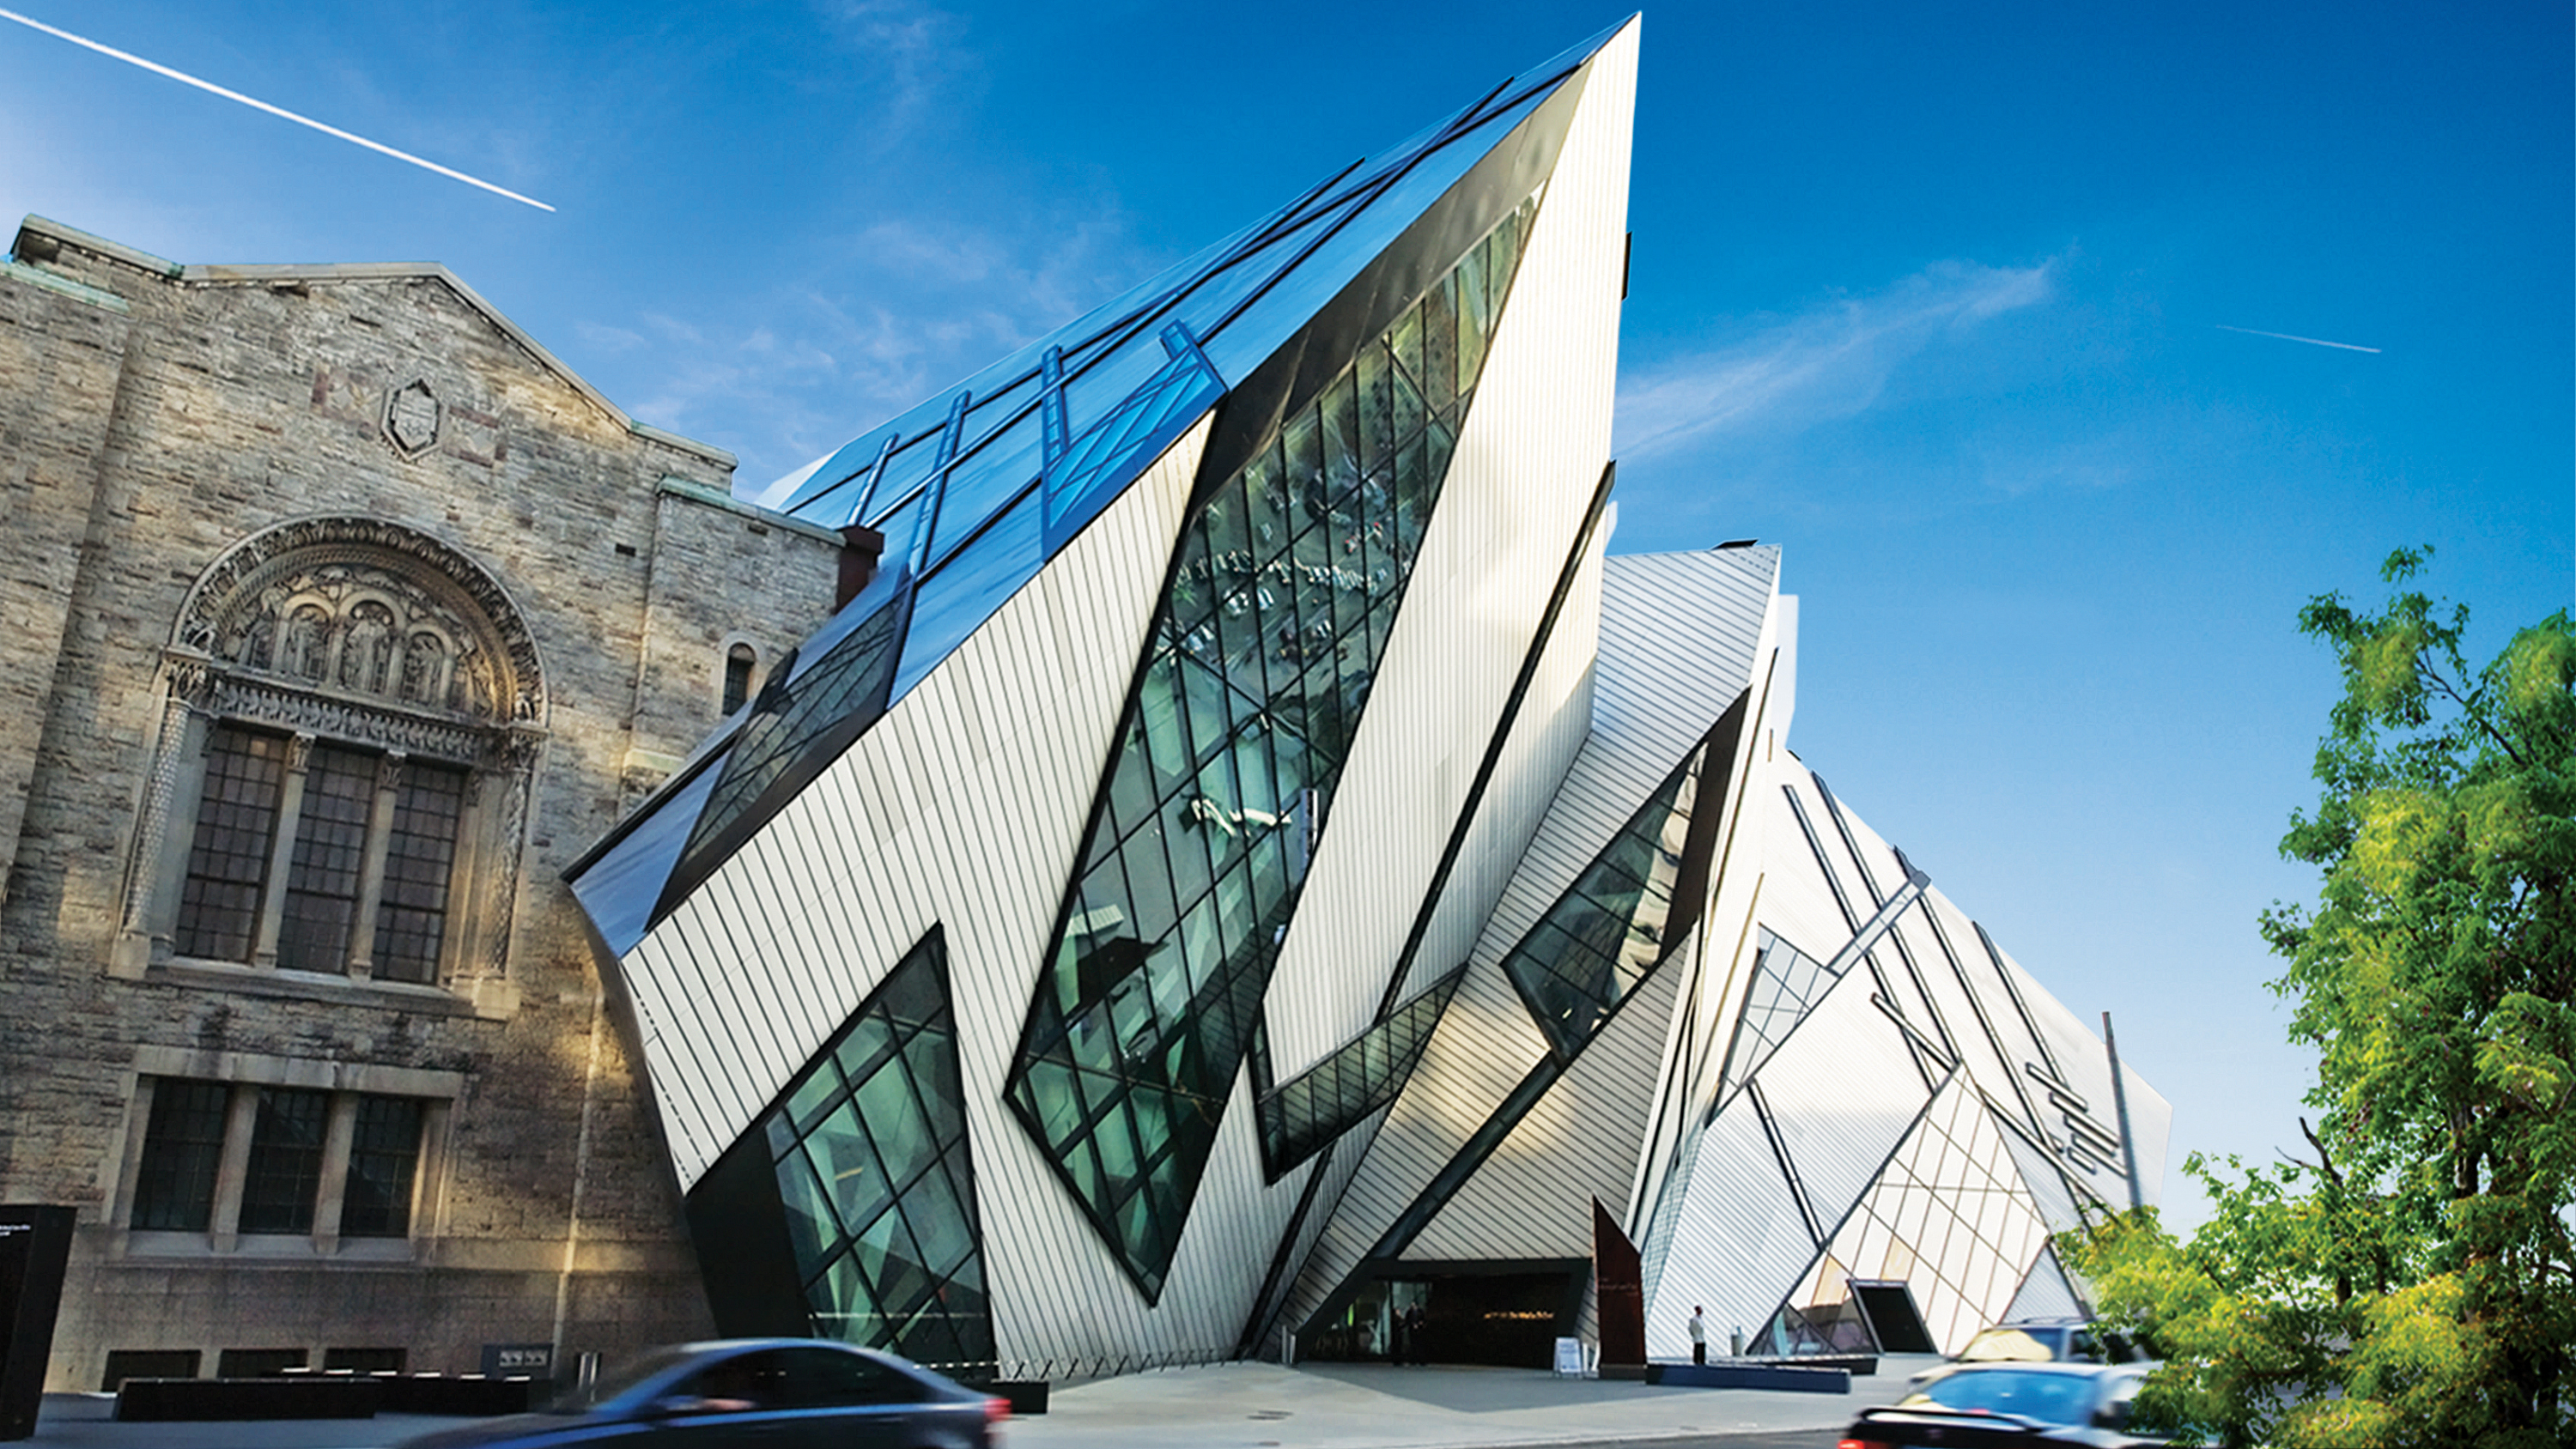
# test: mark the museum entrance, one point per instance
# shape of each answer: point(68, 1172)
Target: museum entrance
point(1505, 1313)
point(1893, 1320)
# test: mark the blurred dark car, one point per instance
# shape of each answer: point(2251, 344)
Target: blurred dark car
point(776, 1393)
point(2005, 1405)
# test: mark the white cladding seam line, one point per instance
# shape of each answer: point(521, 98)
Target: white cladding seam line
point(1967, 988)
point(1825, 1240)
point(1277, 1282)
point(1869, 883)
point(1857, 948)
point(1842, 903)
point(1685, 1140)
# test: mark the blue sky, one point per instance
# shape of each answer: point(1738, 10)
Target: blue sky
point(1935, 296)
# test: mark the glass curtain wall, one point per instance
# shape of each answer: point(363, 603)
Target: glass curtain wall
point(1304, 1114)
point(1281, 602)
point(870, 1150)
point(1606, 933)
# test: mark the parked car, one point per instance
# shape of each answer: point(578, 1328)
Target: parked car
point(2006, 1405)
point(2038, 1340)
point(777, 1393)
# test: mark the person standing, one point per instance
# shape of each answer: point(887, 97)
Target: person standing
point(1699, 1335)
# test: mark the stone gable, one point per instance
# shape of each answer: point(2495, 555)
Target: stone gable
point(353, 430)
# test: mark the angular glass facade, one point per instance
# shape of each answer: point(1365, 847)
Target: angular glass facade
point(975, 490)
point(1603, 937)
point(1301, 1116)
point(870, 1150)
point(792, 723)
point(1127, 855)
point(1281, 602)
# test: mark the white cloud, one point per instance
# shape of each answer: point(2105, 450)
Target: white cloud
point(914, 53)
point(1830, 363)
point(905, 307)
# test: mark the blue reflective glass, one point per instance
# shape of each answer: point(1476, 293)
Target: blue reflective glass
point(1114, 450)
point(1322, 275)
point(964, 592)
point(985, 482)
point(1125, 391)
point(622, 886)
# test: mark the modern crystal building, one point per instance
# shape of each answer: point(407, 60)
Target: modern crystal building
point(1248, 863)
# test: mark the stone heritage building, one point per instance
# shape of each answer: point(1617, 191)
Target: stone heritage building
point(340, 617)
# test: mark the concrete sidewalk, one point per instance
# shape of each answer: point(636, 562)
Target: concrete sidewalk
point(1225, 1406)
point(1373, 1406)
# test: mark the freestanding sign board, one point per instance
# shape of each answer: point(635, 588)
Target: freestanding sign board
point(35, 1246)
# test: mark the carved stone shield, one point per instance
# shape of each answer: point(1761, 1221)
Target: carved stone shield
point(411, 418)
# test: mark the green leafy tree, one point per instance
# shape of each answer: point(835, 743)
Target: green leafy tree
point(2410, 1279)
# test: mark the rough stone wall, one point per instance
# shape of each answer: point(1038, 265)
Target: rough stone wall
point(136, 446)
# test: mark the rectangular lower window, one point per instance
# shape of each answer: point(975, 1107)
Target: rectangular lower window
point(384, 1153)
point(295, 1145)
point(285, 1161)
point(257, 1363)
point(146, 1363)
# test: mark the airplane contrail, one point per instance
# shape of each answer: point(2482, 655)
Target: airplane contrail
point(2285, 337)
point(185, 79)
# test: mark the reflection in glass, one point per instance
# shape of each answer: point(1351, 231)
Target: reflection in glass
point(1260, 662)
point(1302, 1116)
point(1069, 421)
point(1603, 937)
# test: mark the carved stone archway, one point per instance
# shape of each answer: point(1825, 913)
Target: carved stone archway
point(363, 633)
point(289, 601)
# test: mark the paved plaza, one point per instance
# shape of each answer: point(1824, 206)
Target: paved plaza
point(1228, 1406)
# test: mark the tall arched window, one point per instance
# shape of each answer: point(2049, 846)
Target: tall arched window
point(353, 714)
point(739, 663)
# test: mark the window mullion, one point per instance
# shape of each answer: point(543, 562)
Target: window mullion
point(281, 851)
point(339, 1130)
point(232, 1173)
point(371, 874)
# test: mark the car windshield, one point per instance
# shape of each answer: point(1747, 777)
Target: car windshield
point(582, 1398)
point(2047, 1398)
point(2007, 1345)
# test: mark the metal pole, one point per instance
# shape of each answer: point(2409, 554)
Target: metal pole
point(2120, 1105)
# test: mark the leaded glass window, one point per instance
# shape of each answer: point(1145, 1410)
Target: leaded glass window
point(384, 1155)
point(1259, 665)
point(869, 1144)
point(420, 864)
point(236, 829)
point(1604, 936)
point(178, 1183)
point(338, 805)
point(330, 855)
